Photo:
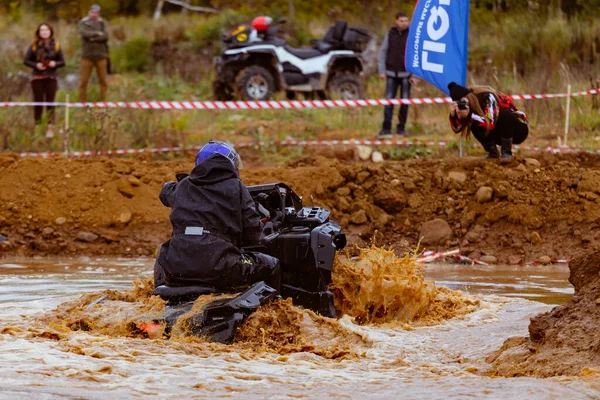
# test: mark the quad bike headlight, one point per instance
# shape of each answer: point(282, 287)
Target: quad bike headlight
point(339, 241)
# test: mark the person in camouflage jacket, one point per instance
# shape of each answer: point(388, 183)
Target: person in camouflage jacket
point(94, 51)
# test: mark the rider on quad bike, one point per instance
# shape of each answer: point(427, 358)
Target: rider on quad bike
point(213, 216)
point(220, 246)
point(256, 63)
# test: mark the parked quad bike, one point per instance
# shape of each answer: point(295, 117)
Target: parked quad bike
point(303, 239)
point(257, 63)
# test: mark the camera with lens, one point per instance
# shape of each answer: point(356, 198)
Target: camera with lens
point(462, 104)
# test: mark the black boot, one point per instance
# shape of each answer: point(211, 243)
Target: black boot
point(506, 148)
point(492, 150)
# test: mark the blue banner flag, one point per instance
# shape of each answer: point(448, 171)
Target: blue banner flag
point(437, 42)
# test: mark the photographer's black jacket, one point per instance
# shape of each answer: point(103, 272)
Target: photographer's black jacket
point(211, 199)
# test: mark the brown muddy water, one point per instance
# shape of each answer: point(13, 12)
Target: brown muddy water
point(441, 361)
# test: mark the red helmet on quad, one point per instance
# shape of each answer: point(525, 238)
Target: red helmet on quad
point(262, 23)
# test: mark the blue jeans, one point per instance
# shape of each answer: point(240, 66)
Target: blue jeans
point(391, 91)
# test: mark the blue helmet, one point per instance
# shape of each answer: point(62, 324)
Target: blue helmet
point(218, 147)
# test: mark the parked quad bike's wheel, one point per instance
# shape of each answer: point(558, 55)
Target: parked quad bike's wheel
point(255, 83)
point(222, 91)
point(346, 87)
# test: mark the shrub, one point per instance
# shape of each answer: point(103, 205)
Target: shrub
point(133, 56)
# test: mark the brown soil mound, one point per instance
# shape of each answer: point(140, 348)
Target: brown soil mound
point(564, 341)
point(526, 209)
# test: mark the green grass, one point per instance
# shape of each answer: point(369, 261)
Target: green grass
point(518, 54)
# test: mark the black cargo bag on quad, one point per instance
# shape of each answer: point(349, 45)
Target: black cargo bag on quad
point(356, 39)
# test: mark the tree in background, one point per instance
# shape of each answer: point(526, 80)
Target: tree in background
point(302, 9)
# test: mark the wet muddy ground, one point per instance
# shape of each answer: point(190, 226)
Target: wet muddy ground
point(441, 360)
point(449, 339)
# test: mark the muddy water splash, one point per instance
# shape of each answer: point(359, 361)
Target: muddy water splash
point(279, 327)
point(284, 328)
point(379, 287)
point(434, 362)
point(110, 312)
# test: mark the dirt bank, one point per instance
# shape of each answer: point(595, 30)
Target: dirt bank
point(565, 340)
point(517, 211)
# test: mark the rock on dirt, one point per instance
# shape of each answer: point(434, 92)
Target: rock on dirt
point(47, 232)
point(532, 162)
point(545, 260)
point(86, 237)
point(134, 181)
point(515, 260)
point(364, 152)
point(60, 220)
point(3, 238)
point(343, 204)
point(362, 176)
point(435, 233)
point(359, 217)
point(125, 188)
point(535, 238)
point(344, 192)
point(415, 200)
point(484, 194)
point(377, 157)
point(563, 341)
point(521, 168)
point(489, 259)
point(124, 218)
point(456, 176)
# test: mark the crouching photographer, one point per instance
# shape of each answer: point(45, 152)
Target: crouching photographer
point(490, 115)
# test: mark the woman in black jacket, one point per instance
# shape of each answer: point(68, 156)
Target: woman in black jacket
point(44, 56)
point(490, 115)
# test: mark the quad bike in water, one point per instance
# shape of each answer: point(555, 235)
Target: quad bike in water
point(256, 63)
point(303, 239)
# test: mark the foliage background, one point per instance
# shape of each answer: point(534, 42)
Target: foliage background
point(517, 46)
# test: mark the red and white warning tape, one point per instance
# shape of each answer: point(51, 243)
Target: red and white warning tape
point(430, 256)
point(275, 105)
point(298, 143)
point(551, 262)
point(468, 260)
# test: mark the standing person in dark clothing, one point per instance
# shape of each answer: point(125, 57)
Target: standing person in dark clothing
point(44, 56)
point(94, 51)
point(213, 216)
point(490, 115)
point(392, 68)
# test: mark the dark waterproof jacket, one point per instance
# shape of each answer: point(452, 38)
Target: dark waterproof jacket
point(41, 53)
point(392, 52)
point(94, 36)
point(214, 199)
